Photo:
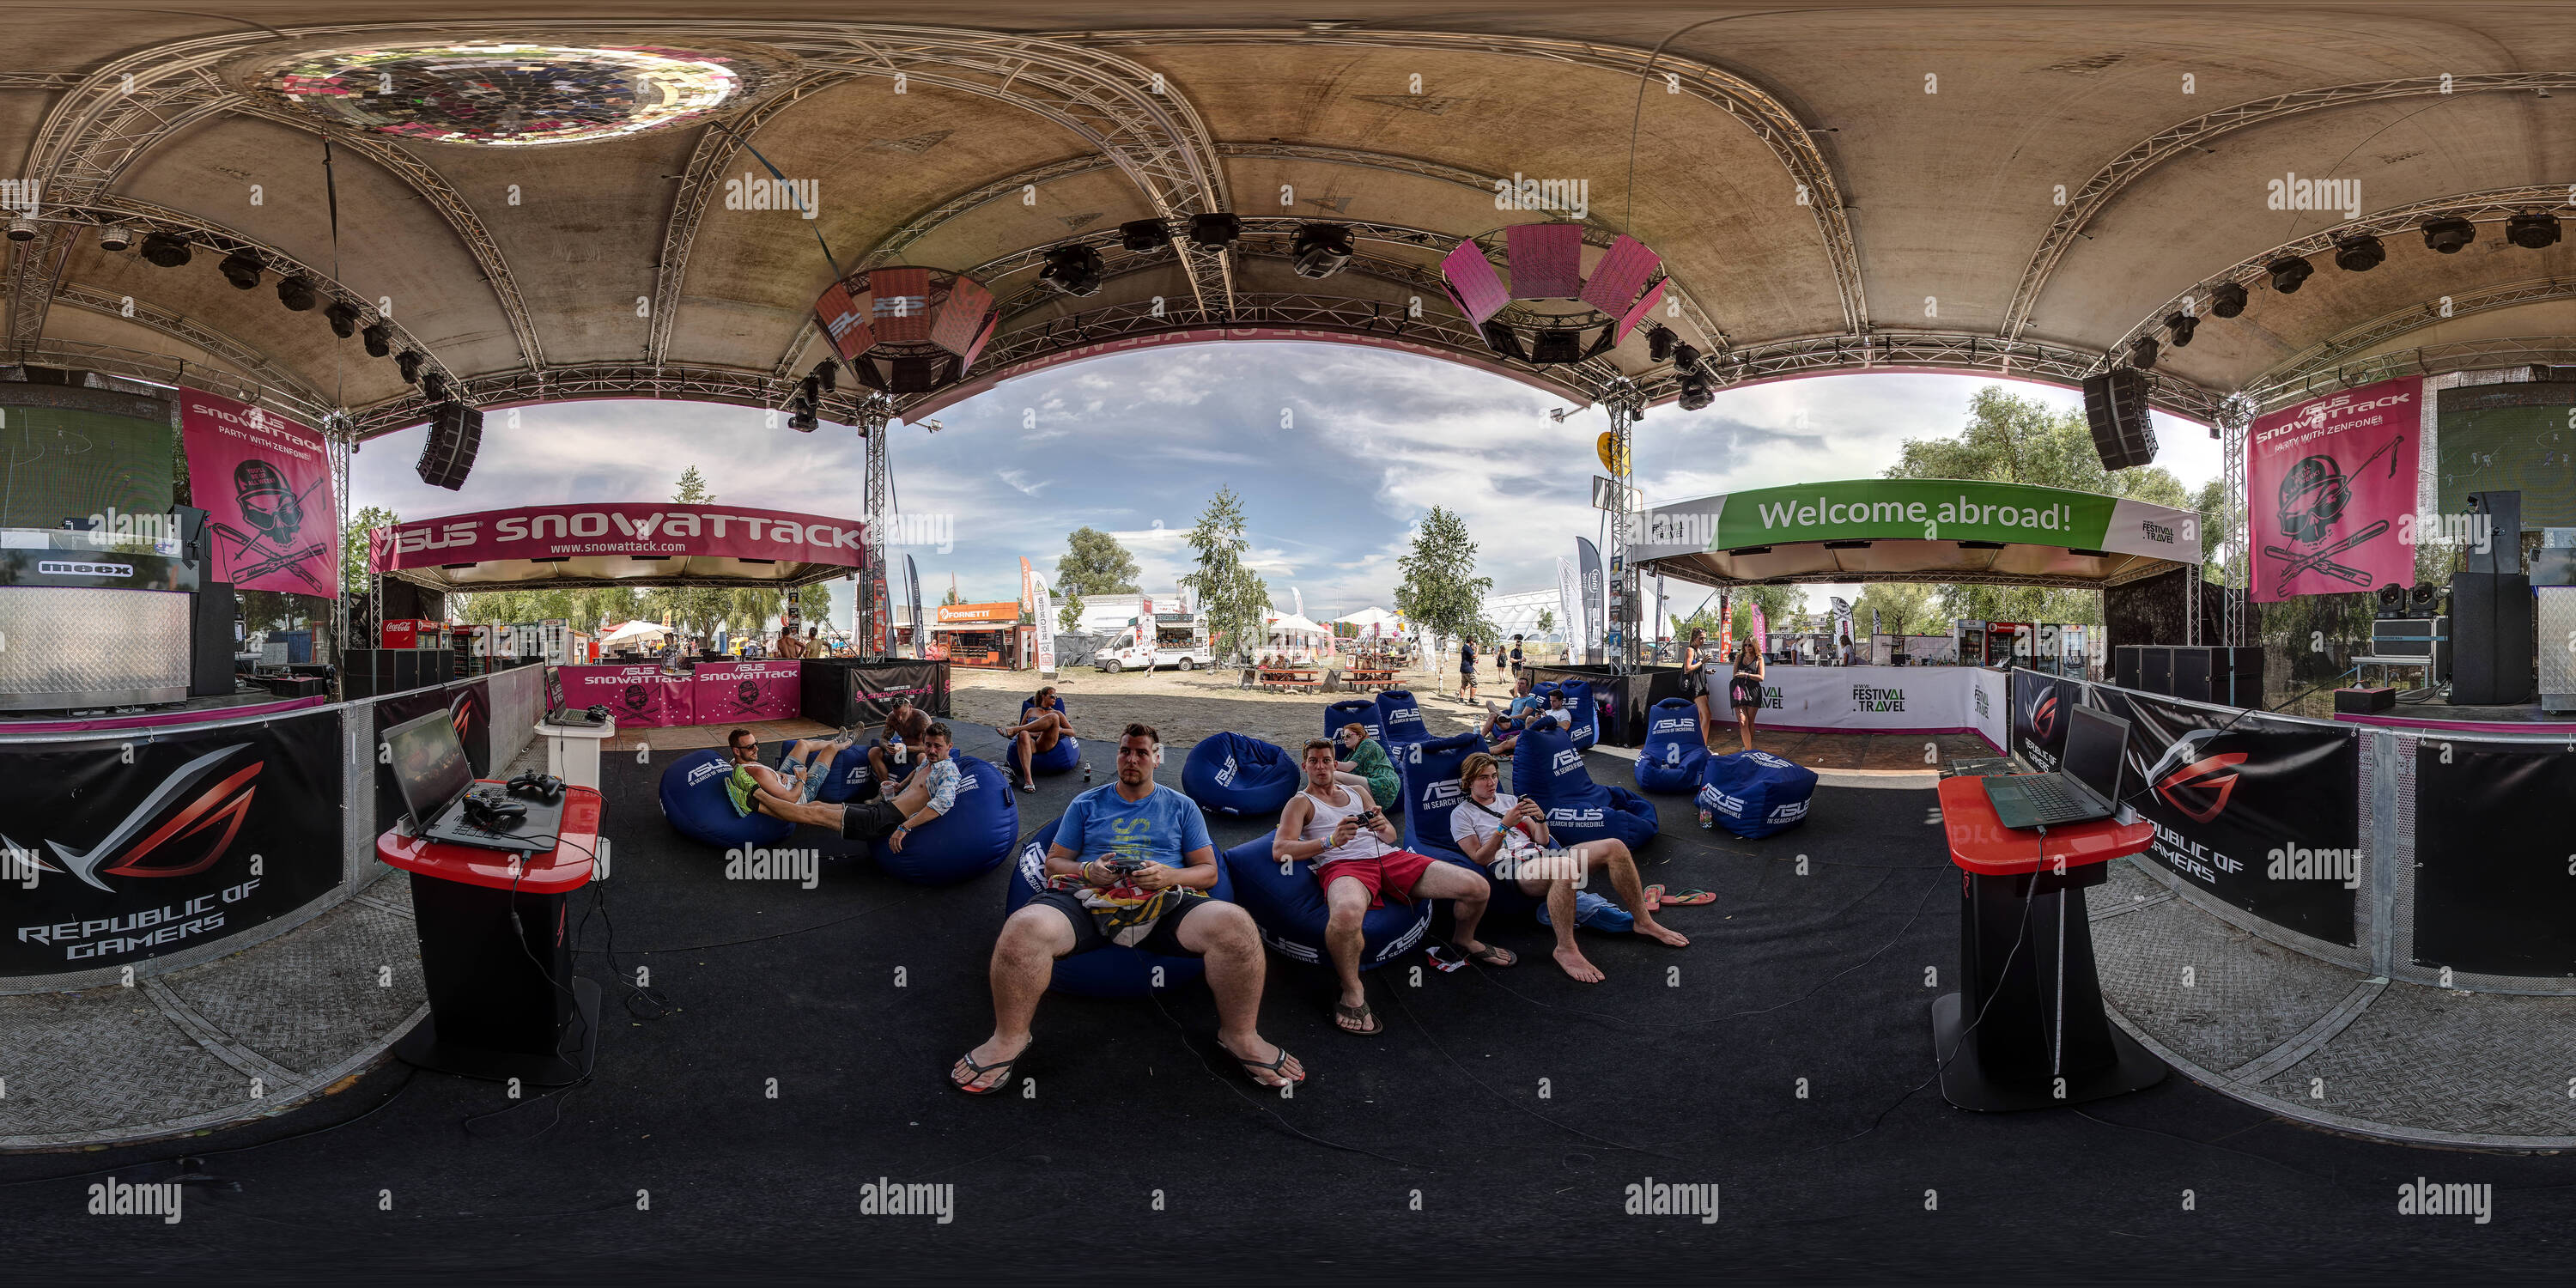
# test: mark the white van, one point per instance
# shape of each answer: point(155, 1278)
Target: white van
point(1170, 639)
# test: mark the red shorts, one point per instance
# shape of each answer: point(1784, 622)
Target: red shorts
point(1393, 872)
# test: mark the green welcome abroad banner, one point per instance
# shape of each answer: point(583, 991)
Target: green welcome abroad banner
point(1921, 510)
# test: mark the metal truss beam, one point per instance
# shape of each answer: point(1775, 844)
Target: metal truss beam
point(1752, 106)
point(2324, 356)
point(2427, 360)
point(2089, 200)
point(580, 381)
point(250, 362)
point(1936, 351)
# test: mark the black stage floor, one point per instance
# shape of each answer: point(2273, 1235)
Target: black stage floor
point(1492, 1131)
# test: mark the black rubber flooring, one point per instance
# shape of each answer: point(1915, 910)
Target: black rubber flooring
point(1492, 1131)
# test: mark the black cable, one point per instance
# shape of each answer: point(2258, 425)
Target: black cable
point(557, 1095)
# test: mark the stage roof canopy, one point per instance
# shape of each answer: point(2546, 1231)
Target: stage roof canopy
point(2007, 188)
point(617, 544)
point(1928, 530)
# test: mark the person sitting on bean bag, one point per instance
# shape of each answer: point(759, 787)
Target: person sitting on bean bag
point(1131, 864)
point(1037, 735)
point(1503, 725)
point(1511, 837)
point(1354, 849)
point(1367, 767)
point(753, 786)
point(934, 780)
point(907, 726)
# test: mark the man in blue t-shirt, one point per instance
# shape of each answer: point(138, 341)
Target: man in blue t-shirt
point(1131, 865)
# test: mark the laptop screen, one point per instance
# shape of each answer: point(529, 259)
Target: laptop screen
point(2094, 746)
point(429, 765)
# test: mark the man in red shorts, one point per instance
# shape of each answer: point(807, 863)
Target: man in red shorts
point(1353, 846)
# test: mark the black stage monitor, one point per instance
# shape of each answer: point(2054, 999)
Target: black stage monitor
point(429, 766)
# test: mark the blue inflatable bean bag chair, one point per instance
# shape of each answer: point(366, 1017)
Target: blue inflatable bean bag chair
point(1543, 688)
point(1431, 794)
point(1674, 757)
point(1401, 717)
point(1064, 755)
point(1586, 711)
point(1289, 908)
point(851, 778)
point(694, 799)
point(1116, 971)
point(1756, 794)
point(1348, 710)
point(1244, 776)
point(1547, 769)
point(971, 839)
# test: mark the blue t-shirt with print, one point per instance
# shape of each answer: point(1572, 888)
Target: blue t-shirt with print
point(1164, 827)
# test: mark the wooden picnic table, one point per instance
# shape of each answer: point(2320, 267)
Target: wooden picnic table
point(1369, 678)
point(1286, 678)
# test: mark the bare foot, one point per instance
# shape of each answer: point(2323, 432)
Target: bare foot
point(1579, 966)
point(1662, 934)
point(994, 1051)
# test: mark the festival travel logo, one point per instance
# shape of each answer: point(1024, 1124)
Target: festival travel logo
point(2193, 780)
point(155, 840)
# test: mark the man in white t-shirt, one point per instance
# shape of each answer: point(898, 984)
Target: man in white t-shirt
point(1511, 838)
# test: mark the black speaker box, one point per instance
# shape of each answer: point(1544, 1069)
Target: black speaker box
point(2191, 673)
point(210, 640)
point(2155, 669)
point(2364, 701)
point(2504, 549)
point(2492, 652)
point(455, 436)
point(2124, 666)
point(2115, 408)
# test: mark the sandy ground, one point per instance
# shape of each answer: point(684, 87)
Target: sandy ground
point(1184, 708)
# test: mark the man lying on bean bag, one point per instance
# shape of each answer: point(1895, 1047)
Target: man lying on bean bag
point(753, 786)
point(1357, 861)
point(1131, 864)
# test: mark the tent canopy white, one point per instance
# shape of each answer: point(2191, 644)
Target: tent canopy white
point(634, 632)
point(1296, 624)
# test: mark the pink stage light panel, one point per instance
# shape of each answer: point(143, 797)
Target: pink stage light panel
point(1628, 321)
point(902, 306)
point(1473, 283)
point(962, 316)
point(1546, 260)
point(845, 320)
point(1616, 278)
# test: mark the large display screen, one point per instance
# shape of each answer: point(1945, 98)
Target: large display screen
point(2505, 438)
point(60, 463)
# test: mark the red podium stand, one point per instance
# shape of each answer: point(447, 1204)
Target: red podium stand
point(503, 1000)
point(2026, 964)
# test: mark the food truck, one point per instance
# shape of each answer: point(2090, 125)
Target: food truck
point(1165, 639)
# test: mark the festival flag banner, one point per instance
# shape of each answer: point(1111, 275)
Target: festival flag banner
point(265, 485)
point(2327, 483)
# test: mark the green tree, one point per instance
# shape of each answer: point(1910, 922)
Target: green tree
point(1780, 605)
point(696, 610)
point(1547, 621)
point(818, 603)
point(2013, 439)
point(1440, 593)
point(1093, 564)
point(951, 597)
point(1232, 596)
point(1903, 608)
point(353, 547)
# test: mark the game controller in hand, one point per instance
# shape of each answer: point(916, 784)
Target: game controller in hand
point(544, 788)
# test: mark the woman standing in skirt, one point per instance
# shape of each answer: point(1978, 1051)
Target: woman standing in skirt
point(1744, 690)
point(1699, 668)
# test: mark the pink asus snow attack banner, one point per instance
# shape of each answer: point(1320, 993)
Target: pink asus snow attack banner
point(722, 692)
point(631, 528)
point(2326, 483)
point(640, 696)
point(272, 522)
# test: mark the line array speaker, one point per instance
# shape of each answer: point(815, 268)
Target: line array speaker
point(2115, 407)
point(455, 436)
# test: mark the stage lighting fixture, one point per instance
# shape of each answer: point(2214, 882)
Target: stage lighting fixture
point(241, 268)
point(1503, 340)
point(115, 237)
point(2226, 300)
point(24, 228)
point(1141, 235)
point(379, 340)
point(809, 391)
point(803, 422)
point(2449, 235)
point(2359, 254)
point(1074, 270)
point(409, 364)
point(2143, 354)
point(165, 250)
point(2287, 273)
point(344, 318)
point(2532, 231)
point(1695, 390)
point(1217, 230)
point(296, 293)
point(2392, 600)
point(2180, 326)
point(1659, 344)
point(433, 386)
point(1322, 249)
point(827, 373)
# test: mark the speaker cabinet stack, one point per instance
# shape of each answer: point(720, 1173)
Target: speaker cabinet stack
point(211, 610)
point(2228, 677)
point(2115, 407)
point(455, 436)
point(2492, 646)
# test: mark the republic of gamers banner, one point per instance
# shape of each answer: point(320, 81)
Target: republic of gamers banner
point(272, 522)
point(2327, 484)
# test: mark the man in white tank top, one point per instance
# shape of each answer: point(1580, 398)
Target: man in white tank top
point(1341, 830)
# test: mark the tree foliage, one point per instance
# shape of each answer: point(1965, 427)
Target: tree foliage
point(1440, 594)
point(353, 547)
point(1234, 598)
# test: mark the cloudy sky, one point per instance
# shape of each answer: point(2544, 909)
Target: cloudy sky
point(1337, 451)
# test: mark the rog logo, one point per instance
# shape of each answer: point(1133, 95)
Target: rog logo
point(460, 712)
point(2194, 782)
point(635, 698)
point(127, 847)
point(748, 694)
point(2043, 715)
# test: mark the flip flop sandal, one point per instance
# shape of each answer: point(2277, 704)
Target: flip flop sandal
point(1278, 1067)
point(975, 1071)
point(1360, 1013)
point(1493, 955)
point(1682, 898)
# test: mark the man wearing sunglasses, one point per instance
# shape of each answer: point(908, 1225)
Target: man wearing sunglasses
point(1131, 865)
point(755, 786)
